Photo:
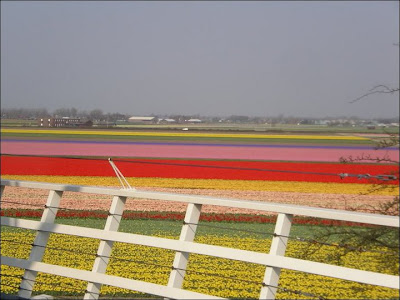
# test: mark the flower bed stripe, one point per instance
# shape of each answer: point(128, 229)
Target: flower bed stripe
point(176, 216)
point(246, 152)
point(219, 184)
point(175, 143)
point(193, 169)
point(180, 134)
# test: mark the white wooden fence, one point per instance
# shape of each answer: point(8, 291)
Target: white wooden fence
point(274, 261)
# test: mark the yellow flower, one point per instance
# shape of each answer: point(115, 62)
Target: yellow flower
point(233, 279)
point(185, 134)
point(218, 184)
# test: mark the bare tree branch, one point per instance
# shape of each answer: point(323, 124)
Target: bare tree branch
point(367, 158)
point(379, 89)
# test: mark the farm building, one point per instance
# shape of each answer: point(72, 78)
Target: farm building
point(194, 121)
point(143, 120)
point(166, 121)
point(63, 122)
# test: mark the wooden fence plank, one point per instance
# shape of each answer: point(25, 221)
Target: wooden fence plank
point(278, 247)
point(104, 252)
point(187, 234)
point(323, 213)
point(125, 283)
point(295, 264)
point(40, 242)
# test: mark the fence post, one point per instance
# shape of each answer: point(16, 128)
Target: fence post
point(105, 247)
point(40, 242)
point(278, 247)
point(187, 234)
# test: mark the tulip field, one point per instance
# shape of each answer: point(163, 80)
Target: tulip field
point(292, 169)
point(322, 148)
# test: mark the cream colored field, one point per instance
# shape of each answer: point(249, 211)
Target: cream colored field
point(33, 198)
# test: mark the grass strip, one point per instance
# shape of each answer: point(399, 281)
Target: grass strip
point(168, 227)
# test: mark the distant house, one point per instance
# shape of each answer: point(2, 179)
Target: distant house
point(322, 122)
point(63, 122)
point(121, 122)
point(44, 122)
point(194, 121)
point(143, 120)
point(166, 121)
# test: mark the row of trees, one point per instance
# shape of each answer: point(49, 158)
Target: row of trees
point(35, 113)
point(99, 115)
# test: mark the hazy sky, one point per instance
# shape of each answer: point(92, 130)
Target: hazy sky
point(212, 58)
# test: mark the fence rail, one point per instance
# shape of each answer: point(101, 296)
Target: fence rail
point(274, 261)
point(323, 213)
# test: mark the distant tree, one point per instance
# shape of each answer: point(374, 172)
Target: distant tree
point(239, 119)
point(73, 112)
point(215, 119)
point(83, 114)
point(62, 112)
point(181, 118)
point(42, 113)
point(293, 120)
point(113, 117)
point(281, 118)
point(24, 113)
point(96, 114)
